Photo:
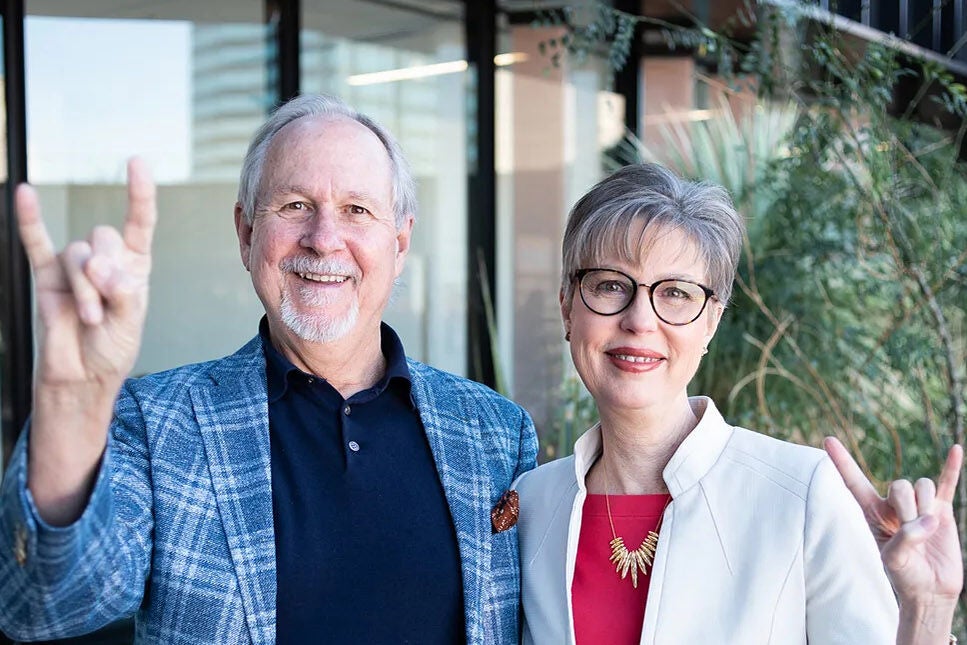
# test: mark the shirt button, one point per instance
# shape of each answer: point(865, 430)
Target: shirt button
point(354, 446)
point(310, 380)
point(346, 410)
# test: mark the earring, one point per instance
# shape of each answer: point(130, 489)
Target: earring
point(704, 350)
point(567, 335)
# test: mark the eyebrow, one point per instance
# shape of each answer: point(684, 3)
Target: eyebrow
point(361, 196)
point(661, 276)
point(355, 195)
point(681, 276)
point(288, 188)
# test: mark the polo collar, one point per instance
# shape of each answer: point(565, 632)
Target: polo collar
point(279, 370)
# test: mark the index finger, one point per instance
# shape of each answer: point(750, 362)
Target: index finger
point(947, 483)
point(33, 234)
point(142, 208)
point(852, 474)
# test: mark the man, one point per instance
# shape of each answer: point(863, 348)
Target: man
point(316, 486)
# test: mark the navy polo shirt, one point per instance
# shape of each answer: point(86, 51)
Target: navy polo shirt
point(365, 547)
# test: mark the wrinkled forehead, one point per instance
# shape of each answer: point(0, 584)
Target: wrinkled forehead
point(333, 141)
point(634, 240)
point(331, 134)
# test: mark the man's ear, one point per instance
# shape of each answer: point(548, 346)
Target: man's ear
point(403, 236)
point(244, 231)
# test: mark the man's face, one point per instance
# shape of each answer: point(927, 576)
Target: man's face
point(324, 249)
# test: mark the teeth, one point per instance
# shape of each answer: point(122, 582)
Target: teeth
point(316, 277)
point(637, 359)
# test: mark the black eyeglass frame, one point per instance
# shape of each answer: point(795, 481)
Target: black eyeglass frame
point(579, 277)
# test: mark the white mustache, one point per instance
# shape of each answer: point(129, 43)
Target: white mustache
point(319, 266)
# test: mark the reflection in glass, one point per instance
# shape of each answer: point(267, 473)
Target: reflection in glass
point(184, 87)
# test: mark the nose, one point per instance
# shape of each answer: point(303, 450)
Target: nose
point(322, 232)
point(640, 316)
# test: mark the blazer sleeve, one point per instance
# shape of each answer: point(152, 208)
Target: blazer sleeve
point(848, 596)
point(527, 453)
point(63, 581)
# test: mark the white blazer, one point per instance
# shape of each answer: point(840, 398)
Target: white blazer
point(762, 543)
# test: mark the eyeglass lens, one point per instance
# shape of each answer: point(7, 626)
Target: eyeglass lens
point(677, 302)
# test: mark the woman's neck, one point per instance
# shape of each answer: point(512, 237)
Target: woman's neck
point(637, 447)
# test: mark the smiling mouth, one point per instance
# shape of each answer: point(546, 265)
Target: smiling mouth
point(318, 277)
point(637, 359)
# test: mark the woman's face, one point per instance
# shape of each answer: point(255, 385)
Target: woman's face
point(633, 361)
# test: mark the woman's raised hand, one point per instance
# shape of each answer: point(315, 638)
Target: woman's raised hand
point(915, 529)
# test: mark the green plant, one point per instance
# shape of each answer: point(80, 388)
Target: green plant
point(576, 413)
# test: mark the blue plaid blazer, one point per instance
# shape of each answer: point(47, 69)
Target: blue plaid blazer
point(179, 526)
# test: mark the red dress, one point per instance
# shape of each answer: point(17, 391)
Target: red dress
point(607, 609)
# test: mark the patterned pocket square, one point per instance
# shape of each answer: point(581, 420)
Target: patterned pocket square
point(505, 513)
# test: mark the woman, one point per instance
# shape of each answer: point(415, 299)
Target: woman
point(726, 535)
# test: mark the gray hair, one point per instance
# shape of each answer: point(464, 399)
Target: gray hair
point(600, 223)
point(322, 105)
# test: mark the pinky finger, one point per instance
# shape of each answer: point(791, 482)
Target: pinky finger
point(947, 484)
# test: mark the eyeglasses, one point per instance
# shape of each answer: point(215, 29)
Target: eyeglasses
point(608, 292)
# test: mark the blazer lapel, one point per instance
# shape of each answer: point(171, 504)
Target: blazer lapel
point(232, 412)
point(453, 430)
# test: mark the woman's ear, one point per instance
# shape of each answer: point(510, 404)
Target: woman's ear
point(565, 313)
point(714, 318)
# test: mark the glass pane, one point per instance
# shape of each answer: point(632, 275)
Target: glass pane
point(188, 95)
point(552, 125)
point(405, 67)
point(8, 432)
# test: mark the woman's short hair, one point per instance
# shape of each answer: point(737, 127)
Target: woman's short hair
point(600, 225)
point(322, 105)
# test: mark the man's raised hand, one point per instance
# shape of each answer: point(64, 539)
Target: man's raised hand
point(92, 298)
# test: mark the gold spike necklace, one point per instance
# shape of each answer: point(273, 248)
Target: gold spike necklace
point(626, 561)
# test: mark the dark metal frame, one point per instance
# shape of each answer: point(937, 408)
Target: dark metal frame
point(480, 25)
point(923, 23)
point(627, 79)
point(285, 17)
point(16, 335)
